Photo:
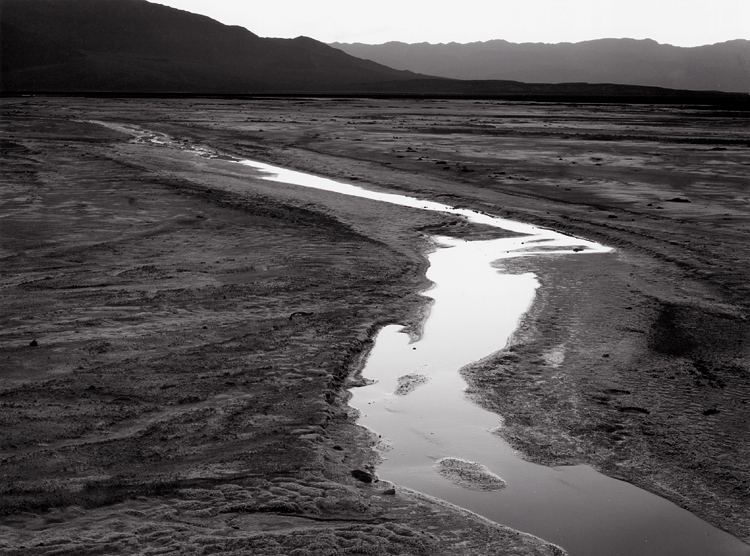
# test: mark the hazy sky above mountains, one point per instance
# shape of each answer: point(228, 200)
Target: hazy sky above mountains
point(678, 22)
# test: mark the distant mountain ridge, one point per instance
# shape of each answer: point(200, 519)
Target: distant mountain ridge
point(138, 46)
point(135, 47)
point(718, 67)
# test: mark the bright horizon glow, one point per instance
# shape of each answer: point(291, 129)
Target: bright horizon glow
point(684, 23)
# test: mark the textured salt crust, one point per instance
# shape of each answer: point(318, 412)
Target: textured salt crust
point(469, 474)
point(159, 139)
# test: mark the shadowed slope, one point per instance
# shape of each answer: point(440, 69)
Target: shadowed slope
point(136, 46)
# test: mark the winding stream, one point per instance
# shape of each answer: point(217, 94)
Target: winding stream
point(416, 402)
point(476, 309)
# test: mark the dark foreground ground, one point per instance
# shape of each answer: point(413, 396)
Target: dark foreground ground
point(195, 329)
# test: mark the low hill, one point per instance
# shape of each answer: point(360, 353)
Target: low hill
point(718, 67)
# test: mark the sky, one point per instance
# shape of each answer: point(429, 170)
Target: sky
point(677, 22)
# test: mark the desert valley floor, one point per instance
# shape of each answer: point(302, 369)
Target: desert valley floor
point(178, 337)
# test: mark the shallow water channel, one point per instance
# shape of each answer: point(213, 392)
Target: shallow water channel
point(426, 417)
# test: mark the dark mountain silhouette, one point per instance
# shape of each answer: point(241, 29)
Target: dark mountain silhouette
point(718, 67)
point(137, 46)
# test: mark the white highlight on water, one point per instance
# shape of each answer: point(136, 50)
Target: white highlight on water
point(476, 308)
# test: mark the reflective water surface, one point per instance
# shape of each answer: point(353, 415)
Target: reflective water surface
point(476, 308)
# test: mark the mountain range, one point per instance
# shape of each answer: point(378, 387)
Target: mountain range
point(717, 67)
point(139, 47)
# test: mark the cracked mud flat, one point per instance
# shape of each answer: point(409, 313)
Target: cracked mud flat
point(196, 335)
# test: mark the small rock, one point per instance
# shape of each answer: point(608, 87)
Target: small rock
point(363, 476)
point(634, 409)
point(300, 314)
point(390, 492)
point(33, 343)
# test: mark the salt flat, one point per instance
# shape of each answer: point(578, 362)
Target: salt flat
point(198, 327)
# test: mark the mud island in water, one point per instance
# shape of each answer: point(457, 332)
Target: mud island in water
point(179, 335)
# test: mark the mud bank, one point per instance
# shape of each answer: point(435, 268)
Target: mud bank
point(174, 356)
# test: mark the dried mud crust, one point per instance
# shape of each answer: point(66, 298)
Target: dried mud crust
point(301, 516)
point(637, 363)
point(609, 173)
point(174, 354)
point(651, 390)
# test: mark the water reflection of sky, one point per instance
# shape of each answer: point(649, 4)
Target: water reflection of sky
point(476, 309)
